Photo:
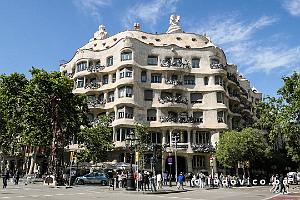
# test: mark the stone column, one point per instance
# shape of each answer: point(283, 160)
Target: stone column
point(163, 141)
point(189, 161)
point(189, 140)
point(84, 81)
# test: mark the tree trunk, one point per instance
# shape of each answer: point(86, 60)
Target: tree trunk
point(32, 161)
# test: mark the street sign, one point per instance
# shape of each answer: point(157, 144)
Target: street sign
point(170, 161)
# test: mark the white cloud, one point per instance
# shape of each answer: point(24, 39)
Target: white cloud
point(292, 6)
point(228, 30)
point(92, 6)
point(150, 11)
point(239, 41)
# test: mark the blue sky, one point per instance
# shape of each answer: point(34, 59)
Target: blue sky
point(260, 36)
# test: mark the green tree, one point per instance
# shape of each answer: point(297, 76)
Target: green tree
point(52, 114)
point(280, 117)
point(290, 93)
point(96, 141)
point(240, 147)
point(11, 99)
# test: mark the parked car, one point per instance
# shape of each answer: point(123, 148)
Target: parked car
point(94, 177)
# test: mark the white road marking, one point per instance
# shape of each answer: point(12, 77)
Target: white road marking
point(80, 193)
point(173, 197)
point(48, 195)
point(5, 197)
point(59, 194)
point(20, 196)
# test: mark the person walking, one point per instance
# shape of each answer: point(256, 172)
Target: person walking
point(159, 181)
point(152, 182)
point(180, 181)
point(146, 181)
point(5, 179)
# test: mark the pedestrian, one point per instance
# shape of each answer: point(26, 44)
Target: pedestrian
point(146, 181)
point(281, 185)
point(159, 181)
point(165, 178)
point(180, 180)
point(140, 180)
point(152, 182)
point(5, 178)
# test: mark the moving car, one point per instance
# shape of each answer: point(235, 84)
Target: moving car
point(94, 177)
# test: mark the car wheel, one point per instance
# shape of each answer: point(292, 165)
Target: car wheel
point(103, 182)
point(81, 182)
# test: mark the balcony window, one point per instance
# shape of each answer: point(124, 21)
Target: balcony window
point(122, 133)
point(152, 60)
point(80, 82)
point(114, 78)
point(105, 79)
point(196, 97)
point(81, 66)
point(151, 115)
point(125, 91)
point(220, 97)
point(111, 96)
point(155, 137)
point(155, 78)
point(143, 76)
point(109, 61)
point(126, 72)
point(126, 55)
point(205, 80)
point(148, 95)
point(202, 137)
point(198, 117)
point(198, 162)
point(195, 63)
point(219, 80)
point(125, 112)
point(221, 117)
point(189, 80)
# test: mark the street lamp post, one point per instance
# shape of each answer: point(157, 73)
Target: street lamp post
point(131, 139)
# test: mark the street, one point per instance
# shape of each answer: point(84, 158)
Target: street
point(38, 191)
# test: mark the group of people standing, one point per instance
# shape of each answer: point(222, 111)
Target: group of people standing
point(6, 176)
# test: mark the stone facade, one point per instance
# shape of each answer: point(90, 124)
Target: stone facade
point(177, 83)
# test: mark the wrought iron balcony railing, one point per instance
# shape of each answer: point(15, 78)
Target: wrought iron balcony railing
point(203, 148)
point(185, 119)
point(92, 85)
point(218, 66)
point(173, 82)
point(176, 63)
point(96, 103)
point(173, 99)
point(95, 68)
